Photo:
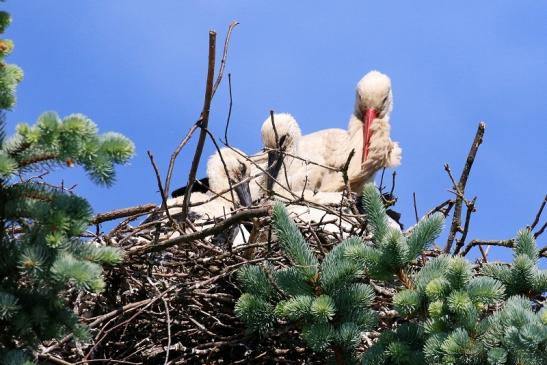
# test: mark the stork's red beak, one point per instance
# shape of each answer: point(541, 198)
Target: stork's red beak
point(369, 115)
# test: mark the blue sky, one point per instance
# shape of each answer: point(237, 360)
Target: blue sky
point(138, 67)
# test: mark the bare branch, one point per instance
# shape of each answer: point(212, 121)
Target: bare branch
point(460, 187)
point(224, 59)
point(470, 209)
point(229, 111)
point(162, 192)
point(233, 219)
point(415, 207)
point(538, 215)
point(122, 213)
point(204, 121)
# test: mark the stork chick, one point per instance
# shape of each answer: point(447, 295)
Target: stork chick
point(217, 202)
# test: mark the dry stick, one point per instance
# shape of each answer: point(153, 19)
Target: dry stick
point(107, 332)
point(538, 215)
point(229, 111)
point(176, 153)
point(263, 172)
point(393, 183)
point(460, 242)
point(162, 193)
point(282, 153)
point(204, 121)
point(122, 213)
point(54, 360)
point(460, 188)
point(439, 208)
point(233, 219)
point(540, 231)
point(223, 61)
point(198, 123)
point(415, 207)
point(168, 317)
point(381, 187)
point(473, 243)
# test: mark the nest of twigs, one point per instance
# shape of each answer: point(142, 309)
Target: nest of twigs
point(177, 303)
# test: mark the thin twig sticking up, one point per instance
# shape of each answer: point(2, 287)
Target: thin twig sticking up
point(203, 122)
point(460, 190)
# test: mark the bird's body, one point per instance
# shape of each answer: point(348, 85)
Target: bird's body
point(228, 173)
point(313, 161)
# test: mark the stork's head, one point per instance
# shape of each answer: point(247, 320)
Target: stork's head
point(233, 171)
point(373, 92)
point(373, 100)
point(279, 136)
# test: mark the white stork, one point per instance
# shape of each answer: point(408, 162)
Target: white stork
point(368, 135)
point(225, 170)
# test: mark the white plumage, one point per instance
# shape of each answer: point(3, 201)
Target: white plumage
point(217, 203)
point(331, 147)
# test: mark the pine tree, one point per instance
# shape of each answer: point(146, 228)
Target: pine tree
point(40, 225)
point(328, 300)
point(449, 311)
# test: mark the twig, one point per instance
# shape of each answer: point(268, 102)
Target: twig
point(415, 207)
point(381, 186)
point(229, 110)
point(224, 59)
point(168, 319)
point(501, 243)
point(541, 230)
point(122, 213)
point(460, 187)
point(203, 123)
point(470, 209)
point(199, 122)
point(233, 219)
point(439, 208)
point(162, 192)
point(393, 182)
point(54, 360)
point(538, 215)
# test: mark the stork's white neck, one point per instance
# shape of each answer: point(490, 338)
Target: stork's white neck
point(355, 125)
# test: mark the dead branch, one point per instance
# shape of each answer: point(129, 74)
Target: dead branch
point(538, 215)
point(233, 219)
point(203, 123)
point(460, 187)
point(122, 213)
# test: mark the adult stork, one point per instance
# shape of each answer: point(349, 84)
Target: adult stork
point(368, 134)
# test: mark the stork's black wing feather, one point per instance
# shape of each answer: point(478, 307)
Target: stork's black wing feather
point(201, 186)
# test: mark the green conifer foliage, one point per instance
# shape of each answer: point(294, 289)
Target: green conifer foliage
point(325, 300)
point(391, 251)
point(449, 311)
point(523, 276)
point(40, 225)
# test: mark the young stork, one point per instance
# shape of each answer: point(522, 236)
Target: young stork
point(367, 134)
point(281, 144)
point(287, 172)
point(225, 170)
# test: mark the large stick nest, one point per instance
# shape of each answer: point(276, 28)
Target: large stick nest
point(181, 300)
